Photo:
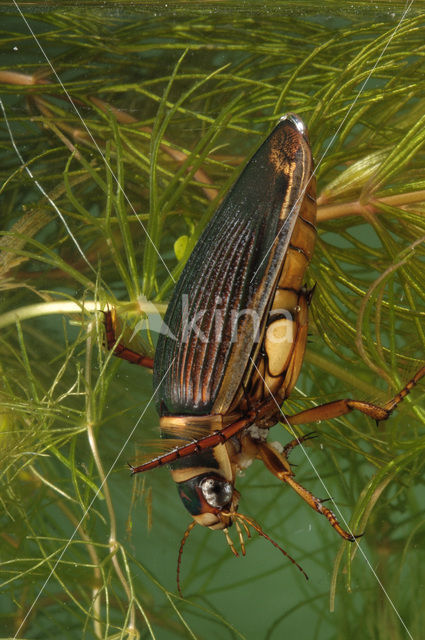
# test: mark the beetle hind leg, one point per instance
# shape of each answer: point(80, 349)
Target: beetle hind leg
point(278, 464)
point(118, 348)
point(342, 407)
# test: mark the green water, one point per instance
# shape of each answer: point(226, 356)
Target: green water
point(198, 86)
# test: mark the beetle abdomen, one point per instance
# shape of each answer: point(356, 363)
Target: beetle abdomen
point(285, 338)
point(279, 358)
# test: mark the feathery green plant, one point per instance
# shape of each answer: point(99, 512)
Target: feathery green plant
point(135, 140)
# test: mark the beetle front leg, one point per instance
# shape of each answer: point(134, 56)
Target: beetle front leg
point(119, 349)
point(279, 466)
point(296, 442)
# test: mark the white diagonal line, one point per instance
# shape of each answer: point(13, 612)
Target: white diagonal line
point(340, 514)
point(40, 187)
point(91, 136)
point(332, 140)
point(53, 569)
point(80, 250)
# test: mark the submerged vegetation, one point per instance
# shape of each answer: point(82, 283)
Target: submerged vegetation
point(120, 134)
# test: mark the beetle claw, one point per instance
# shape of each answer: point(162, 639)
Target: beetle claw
point(309, 294)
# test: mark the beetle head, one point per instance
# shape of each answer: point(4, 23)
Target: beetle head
point(212, 485)
point(206, 497)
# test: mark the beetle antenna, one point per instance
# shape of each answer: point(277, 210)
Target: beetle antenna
point(179, 559)
point(258, 529)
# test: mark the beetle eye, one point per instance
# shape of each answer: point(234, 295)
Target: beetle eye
point(216, 491)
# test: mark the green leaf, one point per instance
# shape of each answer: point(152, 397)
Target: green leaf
point(180, 247)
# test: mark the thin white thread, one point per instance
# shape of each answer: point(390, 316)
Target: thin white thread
point(89, 506)
point(86, 260)
point(92, 137)
point(39, 186)
point(142, 414)
point(337, 509)
point(332, 140)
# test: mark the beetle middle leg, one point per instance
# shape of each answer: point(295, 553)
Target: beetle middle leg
point(278, 464)
point(119, 349)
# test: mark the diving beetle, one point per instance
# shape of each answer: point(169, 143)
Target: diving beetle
point(235, 335)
